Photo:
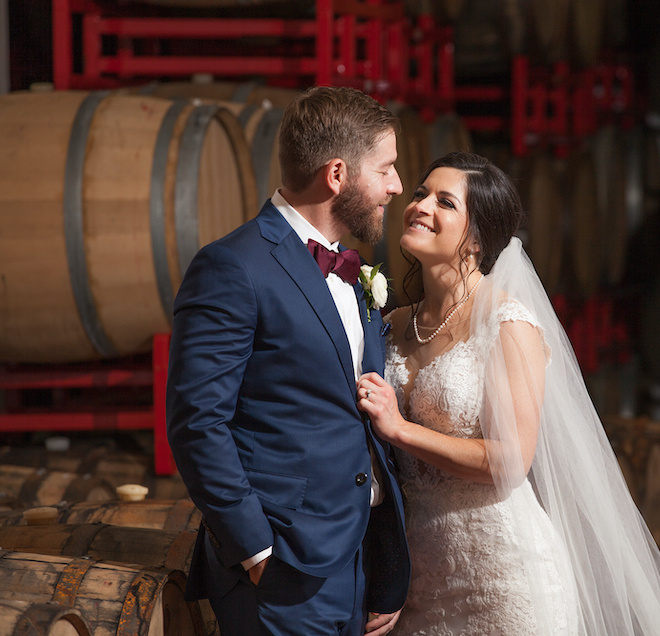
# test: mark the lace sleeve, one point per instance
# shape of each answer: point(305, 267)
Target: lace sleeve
point(513, 310)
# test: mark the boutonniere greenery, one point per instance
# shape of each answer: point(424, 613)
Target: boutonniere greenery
point(375, 287)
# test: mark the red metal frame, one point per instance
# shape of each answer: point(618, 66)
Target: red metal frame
point(331, 58)
point(555, 106)
point(597, 336)
point(368, 44)
point(120, 373)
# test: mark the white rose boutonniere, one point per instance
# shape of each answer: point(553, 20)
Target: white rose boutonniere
point(375, 287)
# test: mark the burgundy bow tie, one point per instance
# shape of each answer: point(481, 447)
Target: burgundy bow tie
point(345, 264)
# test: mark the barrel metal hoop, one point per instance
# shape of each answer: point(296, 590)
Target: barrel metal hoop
point(157, 206)
point(139, 604)
point(30, 487)
point(180, 550)
point(150, 88)
point(69, 582)
point(245, 114)
point(187, 178)
point(74, 225)
point(262, 150)
point(40, 617)
point(242, 92)
point(179, 515)
point(81, 539)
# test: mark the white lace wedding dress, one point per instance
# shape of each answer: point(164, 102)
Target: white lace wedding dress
point(468, 572)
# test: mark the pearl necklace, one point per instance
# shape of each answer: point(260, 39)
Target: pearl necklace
point(446, 320)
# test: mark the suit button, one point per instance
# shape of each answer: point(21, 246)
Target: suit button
point(361, 479)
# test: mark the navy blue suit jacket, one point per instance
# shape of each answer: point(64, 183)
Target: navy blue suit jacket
point(263, 421)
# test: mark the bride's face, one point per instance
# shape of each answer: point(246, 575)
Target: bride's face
point(435, 223)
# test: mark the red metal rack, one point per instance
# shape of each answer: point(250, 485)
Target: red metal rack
point(554, 106)
point(304, 51)
point(64, 416)
point(368, 44)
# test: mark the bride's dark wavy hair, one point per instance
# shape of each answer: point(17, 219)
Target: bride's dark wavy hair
point(494, 211)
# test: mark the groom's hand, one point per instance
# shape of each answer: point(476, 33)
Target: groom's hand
point(380, 624)
point(257, 570)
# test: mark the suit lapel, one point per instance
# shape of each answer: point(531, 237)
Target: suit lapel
point(300, 265)
point(372, 358)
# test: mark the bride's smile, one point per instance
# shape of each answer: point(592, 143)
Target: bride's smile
point(435, 223)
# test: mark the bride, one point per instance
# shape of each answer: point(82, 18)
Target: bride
point(518, 517)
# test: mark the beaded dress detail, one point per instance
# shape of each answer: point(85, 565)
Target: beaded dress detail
point(467, 569)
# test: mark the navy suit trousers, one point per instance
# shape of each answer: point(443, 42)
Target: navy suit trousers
point(288, 602)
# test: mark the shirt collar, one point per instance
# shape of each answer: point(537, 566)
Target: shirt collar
point(301, 226)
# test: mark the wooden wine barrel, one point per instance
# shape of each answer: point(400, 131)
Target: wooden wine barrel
point(413, 156)
point(547, 23)
point(205, 87)
point(168, 515)
point(104, 461)
point(261, 127)
point(115, 599)
point(258, 108)
point(485, 38)
point(39, 487)
point(110, 196)
point(582, 214)
point(651, 171)
point(488, 33)
point(615, 23)
point(41, 619)
point(611, 164)
point(537, 182)
point(447, 133)
point(586, 23)
point(634, 178)
point(146, 547)
point(651, 507)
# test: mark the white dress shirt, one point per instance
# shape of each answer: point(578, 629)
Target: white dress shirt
point(344, 296)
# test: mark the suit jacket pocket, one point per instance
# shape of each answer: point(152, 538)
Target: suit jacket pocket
point(283, 490)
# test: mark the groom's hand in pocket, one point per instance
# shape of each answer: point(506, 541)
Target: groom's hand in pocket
point(256, 571)
point(381, 624)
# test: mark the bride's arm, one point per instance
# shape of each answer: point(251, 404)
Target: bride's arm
point(512, 401)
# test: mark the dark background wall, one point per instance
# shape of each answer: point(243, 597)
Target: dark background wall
point(32, 61)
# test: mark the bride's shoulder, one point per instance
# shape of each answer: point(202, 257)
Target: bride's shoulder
point(499, 306)
point(398, 320)
point(509, 309)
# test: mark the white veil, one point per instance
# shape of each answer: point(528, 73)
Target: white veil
point(613, 563)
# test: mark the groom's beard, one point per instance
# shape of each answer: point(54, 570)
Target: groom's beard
point(359, 214)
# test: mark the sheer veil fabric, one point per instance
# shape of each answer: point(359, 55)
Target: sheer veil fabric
point(613, 562)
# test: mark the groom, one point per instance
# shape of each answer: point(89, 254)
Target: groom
point(303, 526)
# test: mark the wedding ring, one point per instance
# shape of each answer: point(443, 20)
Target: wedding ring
point(368, 394)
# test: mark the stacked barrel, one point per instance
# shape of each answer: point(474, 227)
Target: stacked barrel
point(98, 560)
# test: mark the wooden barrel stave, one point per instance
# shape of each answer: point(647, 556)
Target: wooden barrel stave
point(44, 488)
point(170, 515)
point(582, 214)
point(41, 619)
point(115, 599)
point(537, 181)
point(586, 24)
point(144, 547)
point(83, 194)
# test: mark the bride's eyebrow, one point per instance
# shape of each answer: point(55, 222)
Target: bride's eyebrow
point(449, 194)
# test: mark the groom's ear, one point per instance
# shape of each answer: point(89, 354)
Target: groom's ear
point(335, 174)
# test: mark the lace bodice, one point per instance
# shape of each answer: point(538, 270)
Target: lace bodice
point(467, 572)
point(447, 393)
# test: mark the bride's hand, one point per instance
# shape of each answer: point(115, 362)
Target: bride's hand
point(378, 400)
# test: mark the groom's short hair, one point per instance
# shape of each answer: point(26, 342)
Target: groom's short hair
point(327, 122)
